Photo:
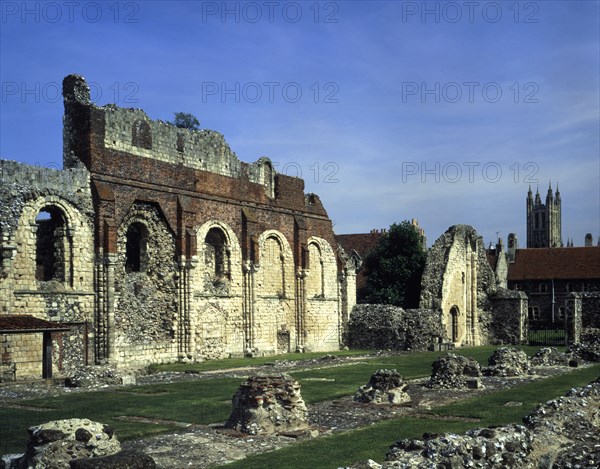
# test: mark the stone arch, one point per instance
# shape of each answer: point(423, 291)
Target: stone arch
point(276, 265)
point(136, 247)
point(219, 258)
point(53, 253)
point(145, 277)
point(315, 279)
point(322, 271)
point(454, 323)
point(71, 236)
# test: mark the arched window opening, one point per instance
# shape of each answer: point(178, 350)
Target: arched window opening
point(136, 250)
point(217, 255)
point(316, 275)
point(52, 245)
point(561, 313)
point(454, 323)
point(273, 261)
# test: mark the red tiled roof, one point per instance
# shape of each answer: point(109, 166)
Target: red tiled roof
point(361, 243)
point(23, 323)
point(555, 263)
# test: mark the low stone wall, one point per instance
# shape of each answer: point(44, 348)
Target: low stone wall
point(391, 327)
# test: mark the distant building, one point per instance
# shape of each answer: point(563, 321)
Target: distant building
point(544, 220)
point(359, 246)
point(550, 275)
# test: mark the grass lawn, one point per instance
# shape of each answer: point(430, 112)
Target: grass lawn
point(240, 362)
point(207, 400)
point(201, 402)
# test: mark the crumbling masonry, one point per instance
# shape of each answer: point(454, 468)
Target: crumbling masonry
point(157, 244)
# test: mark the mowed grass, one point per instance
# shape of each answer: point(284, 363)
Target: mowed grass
point(207, 400)
point(240, 362)
point(197, 402)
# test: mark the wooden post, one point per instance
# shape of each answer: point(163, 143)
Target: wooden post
point(47, 355)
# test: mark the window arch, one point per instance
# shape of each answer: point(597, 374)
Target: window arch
point(273, 262)
point(316, 277)
point(53, 247)
point(216, 253)
point(454, 313)
point(141, 135)
point(136, 248)
point(561, 313)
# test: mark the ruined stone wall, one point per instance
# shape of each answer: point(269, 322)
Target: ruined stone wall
point(132, 131)
point(145, 295)
point(391, 327)
point(501, 271)
point(458, 281)
point(64, 293)
point(322, 324)
point(166, 247)
point(274, 311)
point(508, 322)
point(218, 329)
point(590, 309)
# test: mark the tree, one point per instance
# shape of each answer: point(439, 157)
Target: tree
point(394, 268)
point(184, 120)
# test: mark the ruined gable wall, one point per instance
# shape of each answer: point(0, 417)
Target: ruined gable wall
point(457, 274)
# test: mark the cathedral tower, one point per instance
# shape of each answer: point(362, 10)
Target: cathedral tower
point(544, 220)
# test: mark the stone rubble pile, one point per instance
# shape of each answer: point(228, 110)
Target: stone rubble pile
point(268, 404)
point(499, 447)
point(550, 356)
point(567, 429)
point(563, 432)
point(506, 361)
point(453, 371)
point(54, 444)
point(384, 387)
point(94, 376)
point(589, 348)
point(122, 460)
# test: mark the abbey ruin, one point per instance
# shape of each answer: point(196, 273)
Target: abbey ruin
point(157, 244)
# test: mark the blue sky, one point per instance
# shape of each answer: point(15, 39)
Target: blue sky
point(441, 111)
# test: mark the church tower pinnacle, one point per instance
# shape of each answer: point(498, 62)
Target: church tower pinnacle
point(544, 225)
